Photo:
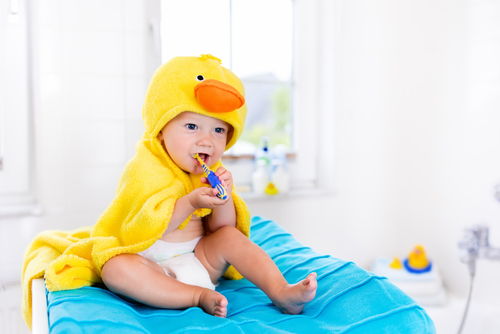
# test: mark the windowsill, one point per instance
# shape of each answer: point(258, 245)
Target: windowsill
point(290, 156)
point(19, 210)
point(309, 192)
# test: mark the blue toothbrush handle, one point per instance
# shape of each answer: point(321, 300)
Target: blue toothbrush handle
point(215, 183)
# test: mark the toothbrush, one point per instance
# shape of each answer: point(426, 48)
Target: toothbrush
point(212, 178)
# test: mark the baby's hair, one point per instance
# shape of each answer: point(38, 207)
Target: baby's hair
point(230, 132)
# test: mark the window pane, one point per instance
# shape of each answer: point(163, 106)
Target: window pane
point(195, 27)
point(262, 34)
point(269, 113)
point(262, 38)
point(254, 39)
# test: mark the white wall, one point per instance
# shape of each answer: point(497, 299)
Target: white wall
point(417, 99)
point(409, 95)
point(92, 64)
point(92, 72)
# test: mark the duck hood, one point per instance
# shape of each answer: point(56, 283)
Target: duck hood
point(197, 84)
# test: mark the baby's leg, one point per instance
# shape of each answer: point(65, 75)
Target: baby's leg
point(228, 245)
point(145, 281)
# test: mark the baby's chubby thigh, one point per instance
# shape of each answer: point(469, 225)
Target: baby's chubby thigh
point(214, 249)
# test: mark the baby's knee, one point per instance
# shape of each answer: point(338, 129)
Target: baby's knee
point(230, 235)
point(117, 267)
point(229, 232)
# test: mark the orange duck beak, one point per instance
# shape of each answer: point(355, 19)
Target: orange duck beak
point(218, 97)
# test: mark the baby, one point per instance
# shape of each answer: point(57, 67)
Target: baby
point(203, 236)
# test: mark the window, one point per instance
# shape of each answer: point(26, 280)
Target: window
point(273, 47)
point(261, 56)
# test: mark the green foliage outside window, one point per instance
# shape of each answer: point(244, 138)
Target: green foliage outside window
point(277, 126)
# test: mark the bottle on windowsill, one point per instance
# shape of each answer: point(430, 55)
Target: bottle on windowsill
point(261, 173)
point(260, 177)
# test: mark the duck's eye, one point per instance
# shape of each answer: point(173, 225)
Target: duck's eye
point(200, 78)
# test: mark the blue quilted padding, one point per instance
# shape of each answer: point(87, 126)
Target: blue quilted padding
point(349, 300)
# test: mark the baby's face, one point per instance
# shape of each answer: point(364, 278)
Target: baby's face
point(191, 133)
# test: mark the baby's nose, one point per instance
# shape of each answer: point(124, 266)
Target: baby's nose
point(204, 140)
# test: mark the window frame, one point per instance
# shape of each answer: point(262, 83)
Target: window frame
point(312, 43)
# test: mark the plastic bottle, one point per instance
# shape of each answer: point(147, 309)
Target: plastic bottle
point(260, 177)
point(261, 173)
point(280, 177)
point(280, 174)
point(263, 153)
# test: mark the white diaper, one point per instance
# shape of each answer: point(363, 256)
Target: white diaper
point(178, 260)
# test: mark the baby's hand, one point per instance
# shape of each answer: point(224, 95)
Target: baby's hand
point(205, 197)
point(225, 177)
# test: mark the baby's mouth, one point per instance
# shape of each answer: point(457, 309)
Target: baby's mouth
point(203, 156)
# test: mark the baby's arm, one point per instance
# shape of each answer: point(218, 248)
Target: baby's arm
point(182, 210)
point(223, 211)
point(202, 197)
point(224, 215)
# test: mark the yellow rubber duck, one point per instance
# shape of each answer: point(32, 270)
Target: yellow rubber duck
point(417, 261)
point(396, 263)
point(271, 189)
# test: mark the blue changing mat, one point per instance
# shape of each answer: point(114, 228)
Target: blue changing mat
point(348, 300)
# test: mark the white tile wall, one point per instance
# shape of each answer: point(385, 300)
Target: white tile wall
point(93, 15)
point(91, 80)
point(92, 67)
point(93, 97)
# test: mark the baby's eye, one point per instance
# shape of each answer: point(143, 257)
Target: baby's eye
point(220, 130)
point(191, 126)
point(200, 78)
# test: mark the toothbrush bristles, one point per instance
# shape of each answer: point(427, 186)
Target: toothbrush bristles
point(222, 192)
point(202, 163)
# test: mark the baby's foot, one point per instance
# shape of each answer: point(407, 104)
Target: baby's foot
point(213, 303)
point(293, 297)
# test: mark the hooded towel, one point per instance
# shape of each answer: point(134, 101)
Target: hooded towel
point(150, 185)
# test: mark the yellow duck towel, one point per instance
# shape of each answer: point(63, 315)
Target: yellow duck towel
point(150, 185)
